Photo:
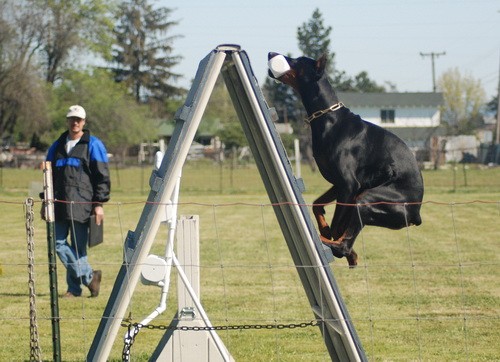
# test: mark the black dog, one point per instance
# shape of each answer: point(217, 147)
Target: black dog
point(375, 177)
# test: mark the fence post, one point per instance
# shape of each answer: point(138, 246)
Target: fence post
point(48, 195)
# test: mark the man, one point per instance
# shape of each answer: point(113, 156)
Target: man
point(81, 185)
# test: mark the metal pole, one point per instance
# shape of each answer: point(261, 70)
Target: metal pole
point(497, 138)
point(48, 193)
point(296, 144)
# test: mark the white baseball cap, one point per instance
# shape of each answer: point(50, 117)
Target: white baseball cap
point(76, 111)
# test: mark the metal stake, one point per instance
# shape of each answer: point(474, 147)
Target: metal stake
point(48, 193)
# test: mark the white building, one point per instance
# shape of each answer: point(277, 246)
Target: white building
point(414, 117)
point(395, 110)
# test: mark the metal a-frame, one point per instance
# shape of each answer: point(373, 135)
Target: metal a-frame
point(310, 256)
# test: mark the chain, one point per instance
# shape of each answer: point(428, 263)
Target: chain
point(317, 114)
point(35, 352)
point(221, 328)
point(129, 340)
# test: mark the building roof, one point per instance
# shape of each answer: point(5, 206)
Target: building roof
point(378, 100)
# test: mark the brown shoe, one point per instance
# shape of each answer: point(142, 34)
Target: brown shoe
point(95, 284)
point(70, 295)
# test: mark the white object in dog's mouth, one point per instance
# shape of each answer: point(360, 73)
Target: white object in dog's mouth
point(278, 65)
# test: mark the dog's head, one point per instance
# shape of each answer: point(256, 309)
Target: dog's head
point(296, 72)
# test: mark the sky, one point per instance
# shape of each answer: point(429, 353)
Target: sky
point(382, 37)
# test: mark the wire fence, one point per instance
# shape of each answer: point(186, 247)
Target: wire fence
point(430, 292)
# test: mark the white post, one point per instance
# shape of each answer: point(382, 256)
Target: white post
point(190, 345)
point(298, 172)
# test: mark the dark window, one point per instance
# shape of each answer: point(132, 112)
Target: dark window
point(387, 115)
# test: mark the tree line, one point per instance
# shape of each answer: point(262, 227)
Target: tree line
point(117, 58)
point(464, 99)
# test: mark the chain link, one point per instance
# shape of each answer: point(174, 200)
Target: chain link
point(317, 114)
point(129, 340)
point(220, 328)
point(35, 352)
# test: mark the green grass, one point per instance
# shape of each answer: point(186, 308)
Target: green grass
point(427, 293)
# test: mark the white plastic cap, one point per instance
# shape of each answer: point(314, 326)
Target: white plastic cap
point(278, 65)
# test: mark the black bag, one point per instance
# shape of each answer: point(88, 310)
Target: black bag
point(95, 232)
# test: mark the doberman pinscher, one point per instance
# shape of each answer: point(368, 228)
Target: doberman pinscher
point(376, 179)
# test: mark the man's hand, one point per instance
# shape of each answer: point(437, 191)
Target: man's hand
point(99, 214)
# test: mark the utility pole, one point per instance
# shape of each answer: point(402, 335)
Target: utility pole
point(497, 138)
point(433, 55)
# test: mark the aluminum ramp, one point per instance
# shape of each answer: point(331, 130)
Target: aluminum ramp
point(310, 256)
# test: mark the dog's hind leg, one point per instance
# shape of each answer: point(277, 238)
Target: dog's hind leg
point(341, 249)
point(381, 206)
point(319, 213)
point(386, 206)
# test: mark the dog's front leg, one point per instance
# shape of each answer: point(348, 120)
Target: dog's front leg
point(324, 228)
point(349, 229)
point(319, 213)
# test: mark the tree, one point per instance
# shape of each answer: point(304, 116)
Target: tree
point(112, 115)
point(492, 108)
point(37, 37)
point(220, 110)
point(463, 98)
point(142, 54)
point(360, 83)
point(71, 26)
point(22, 92)
point(314, 40)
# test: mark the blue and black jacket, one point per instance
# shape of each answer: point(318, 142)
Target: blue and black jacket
point(81, 176)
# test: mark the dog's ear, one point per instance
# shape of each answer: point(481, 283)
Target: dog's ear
point(321, 64)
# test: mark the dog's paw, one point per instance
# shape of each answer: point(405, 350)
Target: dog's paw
point(352, 259)
point(338, 249)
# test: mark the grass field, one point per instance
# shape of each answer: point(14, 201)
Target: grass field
point(428, 293)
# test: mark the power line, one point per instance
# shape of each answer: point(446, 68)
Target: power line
point(433, 55)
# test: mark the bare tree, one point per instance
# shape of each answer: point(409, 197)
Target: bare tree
point(463, 98)
point(72, 26)
point(22, 95)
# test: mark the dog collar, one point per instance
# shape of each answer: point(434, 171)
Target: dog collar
point(317, 114)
